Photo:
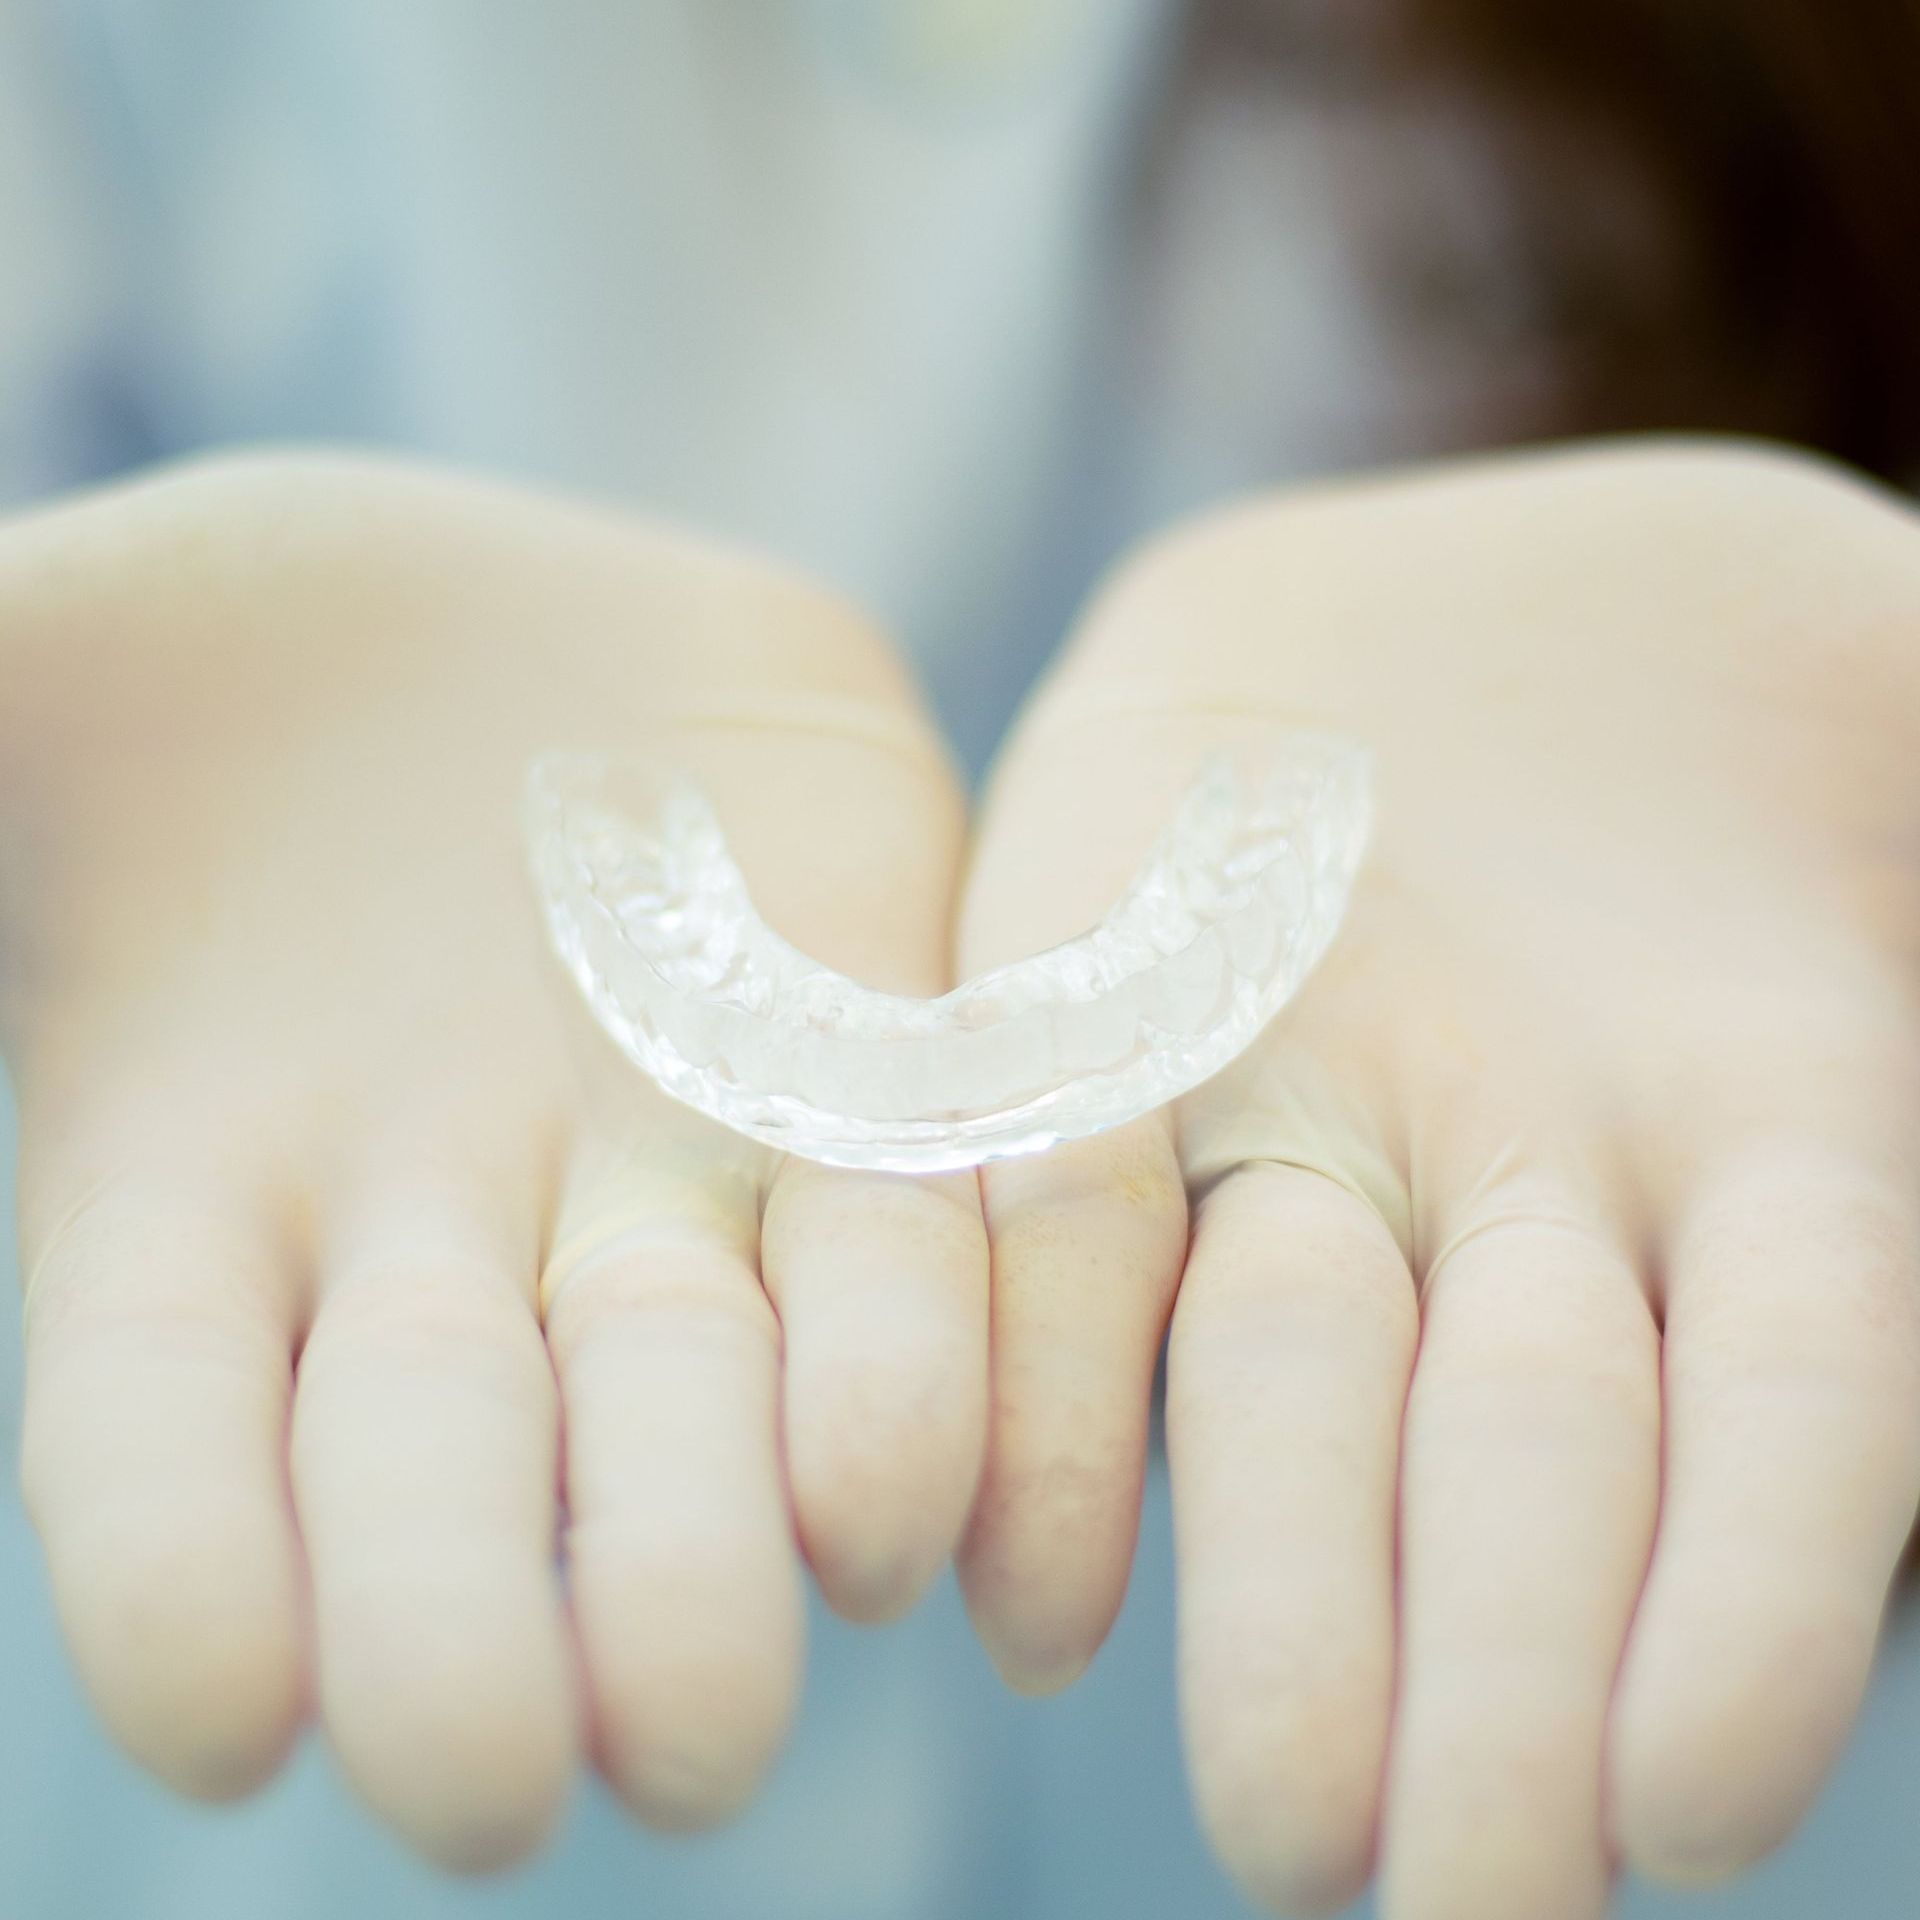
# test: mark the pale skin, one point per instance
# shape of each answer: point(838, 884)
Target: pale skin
point(307, 1168)
point(1481, 1578)
point(1544, 1381)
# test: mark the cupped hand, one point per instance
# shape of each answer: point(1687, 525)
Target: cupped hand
point(1543, 1397)
point(307, 1164)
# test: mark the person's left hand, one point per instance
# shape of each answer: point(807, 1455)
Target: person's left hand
point(1543, 1398)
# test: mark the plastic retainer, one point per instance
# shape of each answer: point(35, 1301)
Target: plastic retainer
point(1224, 920)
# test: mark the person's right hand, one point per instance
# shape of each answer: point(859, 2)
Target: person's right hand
point(305, 1167)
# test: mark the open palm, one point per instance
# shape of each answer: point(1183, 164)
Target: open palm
point(1543, 1394)
point(295, 1088)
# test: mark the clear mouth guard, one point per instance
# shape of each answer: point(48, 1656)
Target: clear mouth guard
point(1222, 923)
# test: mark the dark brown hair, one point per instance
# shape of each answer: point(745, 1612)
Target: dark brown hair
point(1784, 136)
point(1789, 134)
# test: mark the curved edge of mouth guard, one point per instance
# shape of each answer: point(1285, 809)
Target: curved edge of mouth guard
point(1224, 920)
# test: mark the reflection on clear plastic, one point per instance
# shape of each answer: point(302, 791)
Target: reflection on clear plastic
point(1222, 923)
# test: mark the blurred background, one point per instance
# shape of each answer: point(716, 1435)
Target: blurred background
point(948, 301)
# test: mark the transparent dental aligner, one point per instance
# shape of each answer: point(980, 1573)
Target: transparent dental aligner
point(1224, 920)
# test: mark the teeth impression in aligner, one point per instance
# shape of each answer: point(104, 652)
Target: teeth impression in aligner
point(1222, 923)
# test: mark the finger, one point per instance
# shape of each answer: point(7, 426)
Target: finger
point(685, 1583)
point(424, 1466)
point(1087, 1246)
point(1792, 1465)
point(159, 1331)
point(1087, 1240)
point(880, 1282)
point(881, 1287)
point(1528, 1488)
point(1287, 1373)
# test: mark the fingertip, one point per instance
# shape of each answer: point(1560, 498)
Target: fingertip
point(885, 1429)
point(212, 1751)
point(865, 1585)
point(687, 1791)
point(1679, 1855)
point(466, 1744)
point(476, 1839)
point(1502, 1867)
point(1687, 1834)
point(1714, 1762)
point(1031, 1664)
point(882, 1289)
point(1044, 1564)
point(1299, 1883)
point(687, 1729)
point(693, 1694)
point(1285, 1770)
point(1041, 1621)
point(475, 1833)
point(1296, 1835)
point(189, 1643)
